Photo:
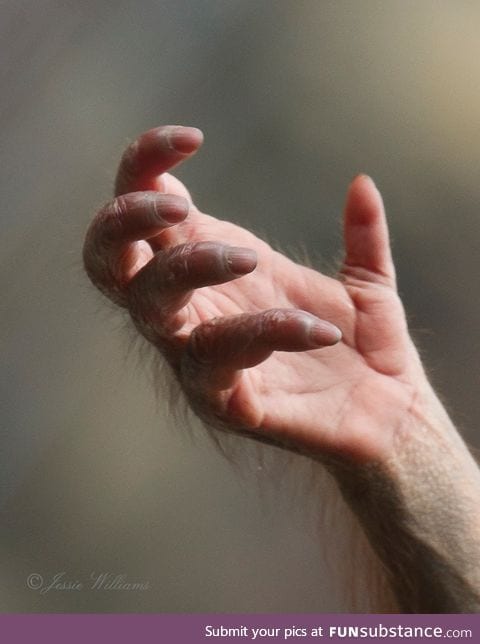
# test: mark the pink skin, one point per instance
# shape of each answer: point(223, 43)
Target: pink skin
point(254, 337)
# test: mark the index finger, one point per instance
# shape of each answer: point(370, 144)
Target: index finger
point(152, 154)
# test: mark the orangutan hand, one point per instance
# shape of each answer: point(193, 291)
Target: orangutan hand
point(258, 342)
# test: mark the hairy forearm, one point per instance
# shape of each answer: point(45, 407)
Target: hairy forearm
point(420, 508)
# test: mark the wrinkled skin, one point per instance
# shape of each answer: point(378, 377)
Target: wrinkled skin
point(254, 338)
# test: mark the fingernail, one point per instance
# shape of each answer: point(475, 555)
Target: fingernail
point(171, 208)
point(240, 260)
point(323, 333)
point(365, 177)
point(184, 139)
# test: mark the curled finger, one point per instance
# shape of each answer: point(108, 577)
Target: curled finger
point(219, 349)
point(152, 154)
point(158, 294)
point(115, 246)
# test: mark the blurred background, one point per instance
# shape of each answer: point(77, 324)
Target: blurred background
point(294, 98)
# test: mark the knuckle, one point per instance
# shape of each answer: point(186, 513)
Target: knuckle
point(118, 210)
point(96, 255)
point(203, 344)
point(358, 274)
point(150, 204)
point(89, 257)
point(178, 263)
point(271, 320)
point(129, 166)
point(93, 248)
point(111, 220)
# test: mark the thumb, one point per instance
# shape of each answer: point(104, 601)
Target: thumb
point(367, 245)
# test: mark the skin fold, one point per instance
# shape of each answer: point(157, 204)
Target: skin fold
point(324, 366)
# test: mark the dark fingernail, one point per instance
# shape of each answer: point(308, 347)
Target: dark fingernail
point(322, 333)
point(184, 139)
point(240, 260)
point(171, 209)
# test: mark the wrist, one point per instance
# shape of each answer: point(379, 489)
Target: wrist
point(419, 506)
point(428, 443)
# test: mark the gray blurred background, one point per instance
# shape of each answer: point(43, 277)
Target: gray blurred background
point(294, 98)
